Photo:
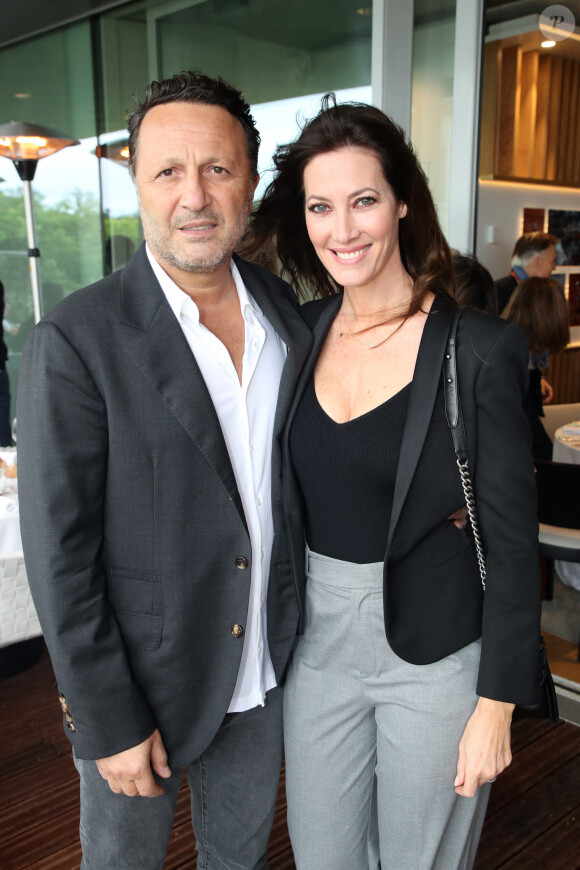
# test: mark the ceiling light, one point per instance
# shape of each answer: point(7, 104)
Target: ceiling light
point(548, 43)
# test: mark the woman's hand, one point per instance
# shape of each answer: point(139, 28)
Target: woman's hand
point(547, 392)
point(484, 749)
point(459, 518)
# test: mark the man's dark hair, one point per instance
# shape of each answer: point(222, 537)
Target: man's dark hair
point(192, 86)
point(530, 244)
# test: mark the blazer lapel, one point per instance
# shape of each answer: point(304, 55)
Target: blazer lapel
point(284, 317)
point(319, 333)
point(160, 351)
point(426, 380)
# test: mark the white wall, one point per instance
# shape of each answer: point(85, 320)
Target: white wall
point(500, 211)
point(432, 107)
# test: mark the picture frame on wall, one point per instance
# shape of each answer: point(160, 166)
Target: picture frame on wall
point(574, 299)
point(565, 225)
point(534, 219)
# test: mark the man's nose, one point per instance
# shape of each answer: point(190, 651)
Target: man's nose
point(194, 193)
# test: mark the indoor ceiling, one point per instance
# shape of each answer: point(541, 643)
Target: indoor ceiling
point(28, 17)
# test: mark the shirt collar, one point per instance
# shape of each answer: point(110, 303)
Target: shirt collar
point(181, 303)
point(519, 273)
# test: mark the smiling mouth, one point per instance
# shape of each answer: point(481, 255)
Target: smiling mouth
point(347, 256)
point(198, 229)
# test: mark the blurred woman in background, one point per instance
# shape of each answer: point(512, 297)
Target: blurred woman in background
point(474, 286)
point(538, 305)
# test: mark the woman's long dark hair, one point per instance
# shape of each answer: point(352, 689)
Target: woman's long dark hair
point(538, 305)
point(280, 215)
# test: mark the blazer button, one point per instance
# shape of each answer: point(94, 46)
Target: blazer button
point(241, 562)
point(237, 630)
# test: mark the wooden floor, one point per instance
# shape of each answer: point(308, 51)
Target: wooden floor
point(533, 820)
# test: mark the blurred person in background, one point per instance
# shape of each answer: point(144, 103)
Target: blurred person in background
point(538, 305)
point(533, 256)
point(474, 286)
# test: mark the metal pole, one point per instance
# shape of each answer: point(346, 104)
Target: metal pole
point(33, 252)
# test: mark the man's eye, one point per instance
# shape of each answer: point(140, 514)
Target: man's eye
point(166, 173)
point(218, 170)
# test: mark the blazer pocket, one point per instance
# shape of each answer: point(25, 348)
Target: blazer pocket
point(137, 599)
point(444, 544)
point(140, 631)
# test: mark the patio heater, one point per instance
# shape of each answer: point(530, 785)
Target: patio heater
point(26, 144)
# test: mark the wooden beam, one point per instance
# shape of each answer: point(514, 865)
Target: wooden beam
point(489, 104)
point(509, 103)
point(564, 121)
point(542, 110)
point(524, 145)
point(553, 119)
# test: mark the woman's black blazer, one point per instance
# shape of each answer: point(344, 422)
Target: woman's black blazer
point(433, 598)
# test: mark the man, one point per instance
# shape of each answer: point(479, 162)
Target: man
point(150, 500)
point(534, 255)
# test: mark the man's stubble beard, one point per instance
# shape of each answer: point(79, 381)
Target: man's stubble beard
point(164, 251)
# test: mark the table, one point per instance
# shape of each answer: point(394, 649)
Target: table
point(18, 619)
point(567, 449)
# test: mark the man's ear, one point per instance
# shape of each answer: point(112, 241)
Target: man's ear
point(253, 185)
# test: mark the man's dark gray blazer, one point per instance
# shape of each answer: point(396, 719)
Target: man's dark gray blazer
point(135, 541)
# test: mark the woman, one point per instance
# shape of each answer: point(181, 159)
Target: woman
point(474, 286)
point(393, 674)
point(538, 305)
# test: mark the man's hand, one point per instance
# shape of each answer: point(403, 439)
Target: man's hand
point(130, 772)
point(547, 392)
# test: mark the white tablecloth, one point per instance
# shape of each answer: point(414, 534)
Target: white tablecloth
point(567, 449)
point(10, 541)
point(18, 619)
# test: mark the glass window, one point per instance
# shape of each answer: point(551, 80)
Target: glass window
point(49, 81)
point(432, 96)
point(282, 56)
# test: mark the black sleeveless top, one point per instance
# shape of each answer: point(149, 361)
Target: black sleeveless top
point(347, 475)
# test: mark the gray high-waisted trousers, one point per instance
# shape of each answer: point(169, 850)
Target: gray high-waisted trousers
point(353, 709)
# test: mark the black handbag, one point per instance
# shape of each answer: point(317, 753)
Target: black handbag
point(546, 706)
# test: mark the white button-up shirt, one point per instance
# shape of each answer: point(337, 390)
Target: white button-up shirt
point(246, 414)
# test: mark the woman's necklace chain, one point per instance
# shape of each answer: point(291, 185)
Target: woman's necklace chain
point(370, 346)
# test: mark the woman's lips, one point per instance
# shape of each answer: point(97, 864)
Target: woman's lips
point(352, 255)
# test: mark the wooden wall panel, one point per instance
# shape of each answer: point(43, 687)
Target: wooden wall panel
point(553, 119)
point(576, 169)
point(489, 104)
point(528, 101)
point(564, 375)
point(509, 108)
point(564, 120)
point(537, 119)
point(542, 111)
point(573, 142)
